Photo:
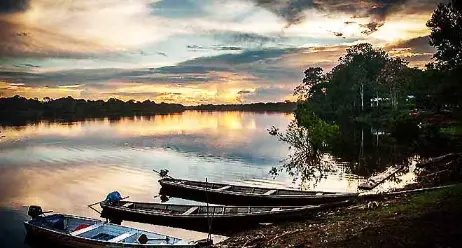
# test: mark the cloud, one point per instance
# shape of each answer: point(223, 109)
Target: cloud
point(371, 27)
point(35, 42)
point(267, 94)
point(419, 44)
point(417, 50)
point(162, 54)
point(244, 92)
point(12, 6)
point(78, 29)
point(293, 11)
point(28, 65)
point(215, 48)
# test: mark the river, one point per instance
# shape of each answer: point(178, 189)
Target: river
point(66, 166)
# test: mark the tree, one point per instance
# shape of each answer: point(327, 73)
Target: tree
point(346, 90)
point(392, 77)
point(446, 34)
point(313, 76)
point(365, 64)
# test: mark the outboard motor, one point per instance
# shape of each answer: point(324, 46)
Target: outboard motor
point(34, 211)
point(113, 198)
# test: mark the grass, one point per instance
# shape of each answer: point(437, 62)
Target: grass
point(453, 130)
point(430, 219)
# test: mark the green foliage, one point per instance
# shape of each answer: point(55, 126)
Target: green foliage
point(346, 91)
point(453, 130)
point(307, 144)
point(446, 35)
point(321, 133)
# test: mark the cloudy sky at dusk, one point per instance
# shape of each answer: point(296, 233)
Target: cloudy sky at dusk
point(193, 51)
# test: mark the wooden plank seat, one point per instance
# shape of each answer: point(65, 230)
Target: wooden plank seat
point(123, 236)
point(86, 229)
point(190, 211)
point(128, 205)
point(224, 188)
point(270, 192)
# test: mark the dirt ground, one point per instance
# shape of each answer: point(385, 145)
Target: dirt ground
point(431, 219)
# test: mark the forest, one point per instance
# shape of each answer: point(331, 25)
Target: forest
point(17, 109)
point(373, 110)
point(286, 106)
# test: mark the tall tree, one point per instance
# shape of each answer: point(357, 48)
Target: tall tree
point(446, 34)
point(357, 72)
point(393, 76)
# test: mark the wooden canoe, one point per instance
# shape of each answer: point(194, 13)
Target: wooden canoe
point(73, 231)
point(226, 194)
point(224, 219)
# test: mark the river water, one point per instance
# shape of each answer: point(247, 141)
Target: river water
point(66, 166)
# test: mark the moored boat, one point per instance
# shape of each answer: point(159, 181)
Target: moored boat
point(223, 219)
point(73, 231)
point(219, 193)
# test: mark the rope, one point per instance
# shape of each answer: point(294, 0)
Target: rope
point(209, 219)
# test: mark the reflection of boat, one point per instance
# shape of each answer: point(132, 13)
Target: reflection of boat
point(73, 231)
point(195, 217)
point(245, 195)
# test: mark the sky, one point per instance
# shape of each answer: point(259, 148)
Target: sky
point(194, 51)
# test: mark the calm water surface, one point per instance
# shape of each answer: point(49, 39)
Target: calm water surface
point(66, 166)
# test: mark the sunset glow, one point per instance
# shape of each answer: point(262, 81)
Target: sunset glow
point(192, 51)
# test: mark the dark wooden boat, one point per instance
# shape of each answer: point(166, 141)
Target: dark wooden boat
point(196, 217)
point(72, 231)
point(225, 194)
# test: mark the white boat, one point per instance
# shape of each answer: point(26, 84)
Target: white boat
point(73, 231)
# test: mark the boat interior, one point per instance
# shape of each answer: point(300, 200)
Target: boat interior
point(251, 190)
point(198, 210)
point(100, 231)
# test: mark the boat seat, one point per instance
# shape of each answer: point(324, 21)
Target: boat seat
point(224, 188)
point(275, 209)
point(86, 229)
point(128, 205)
point(270, 192)
point(190, 211)
point(123, 236)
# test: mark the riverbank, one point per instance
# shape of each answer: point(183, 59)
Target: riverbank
point(430, 219)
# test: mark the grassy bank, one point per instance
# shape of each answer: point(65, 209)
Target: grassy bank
point(453, 130)
point(430, 219)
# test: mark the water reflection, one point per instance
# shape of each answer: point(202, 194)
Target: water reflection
point(65, 166)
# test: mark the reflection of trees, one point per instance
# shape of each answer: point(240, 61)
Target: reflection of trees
point(359, 149)
point(305, 160)
point(356, 149)
point(367, 151)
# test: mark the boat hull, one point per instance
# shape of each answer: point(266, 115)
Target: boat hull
point(220, 224)
point(42, 237)
point(245, 199)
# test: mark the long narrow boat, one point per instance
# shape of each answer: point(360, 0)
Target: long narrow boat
point(224, 219)
point(219, 193)
point(72, 231)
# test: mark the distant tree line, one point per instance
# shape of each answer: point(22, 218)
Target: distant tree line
point(17, 109)
point(286, 106)
point(20, 109)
